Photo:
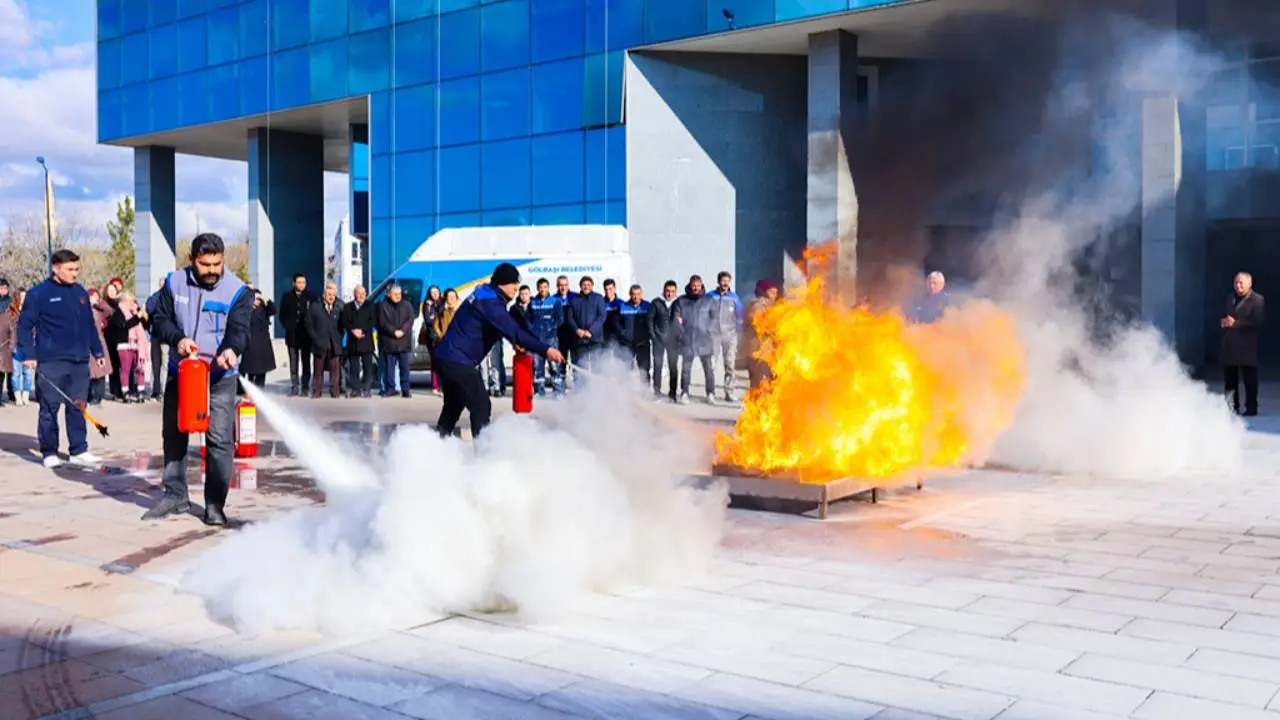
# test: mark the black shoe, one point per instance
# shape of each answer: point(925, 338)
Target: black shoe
point(169, 505)
point(406, 395)
point(293, 392)
point(1250, 413)
point(213, 516)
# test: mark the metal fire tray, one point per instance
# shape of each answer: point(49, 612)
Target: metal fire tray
point(785, 491)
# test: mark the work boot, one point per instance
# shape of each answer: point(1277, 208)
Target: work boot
point(167, 506)
point(213, 515)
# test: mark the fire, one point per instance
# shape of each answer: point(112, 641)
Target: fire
point(863, 394)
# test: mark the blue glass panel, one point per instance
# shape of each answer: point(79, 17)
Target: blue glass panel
point(451, 5)
point(224, 36)
point(164, 104)
point(187, 8)
point(381, 247)
point(164, 51)
point(560, 215)
point(794, 9)
point(255, 85)
point(406, 10)
point(415, 187)
point(504, 35)
point(507, 218)
point(369, 14)
point(460, 43)
point(215, 4)
point(458, 220)
point(192, 43)
point(109, 115)
point(558, 174)
point(290, 23)
point(224, 92)
point(162, 11)
point(329, 70)
point(290, 78)
point(380, 108)
point(369, 70)
point(460, 169)
point(381, 187)
point(255, 29)
point(414, 120)
point(193, 98)
point(602, 89)
point(133, 16)
point(556, 29)
point(735, 14)
point(109, 64)
point(414, 49)
point(411, 232)
point(134, 48)
point(670, 20)
point(616, 24)
point(135, 121)
point(459, 111)
point(557, 96)
point(607, 164)
point(610, 213)
point(108, 25)
point(504, 174)
point(504, 111)
point(328, 19)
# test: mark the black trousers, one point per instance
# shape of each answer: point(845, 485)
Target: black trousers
point(299, 362)
point(218, 442)
point(463, 388)
point(362, 371)
point(157, 369)
point(113, 380)
point(665, 355)
point(1232, 375)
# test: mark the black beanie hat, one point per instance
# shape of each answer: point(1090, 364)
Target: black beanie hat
point(505, 274)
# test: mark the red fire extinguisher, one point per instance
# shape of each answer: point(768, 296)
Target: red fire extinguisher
point(193, 395)
point(522, 383)
point(246, 429)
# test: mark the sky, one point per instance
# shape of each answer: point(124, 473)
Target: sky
point(48, 107)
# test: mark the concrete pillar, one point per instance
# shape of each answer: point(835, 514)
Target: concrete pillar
point(832, 208)
point(286, 209)
point(154, 217)
point(1173, 202)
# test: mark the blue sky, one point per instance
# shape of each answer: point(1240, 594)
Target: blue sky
point(48, 107)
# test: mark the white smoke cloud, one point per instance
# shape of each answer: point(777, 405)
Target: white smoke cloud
point(536, 514)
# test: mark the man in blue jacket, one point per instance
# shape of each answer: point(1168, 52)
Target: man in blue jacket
point(481, 321)
point(545, 318)
point(587, 314)
point(58, 335)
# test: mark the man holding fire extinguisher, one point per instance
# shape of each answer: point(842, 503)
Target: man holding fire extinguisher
point(201, 312)
point(481, 321)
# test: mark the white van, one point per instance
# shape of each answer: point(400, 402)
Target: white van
point(463, 258)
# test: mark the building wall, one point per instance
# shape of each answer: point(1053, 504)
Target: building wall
point(716, 165)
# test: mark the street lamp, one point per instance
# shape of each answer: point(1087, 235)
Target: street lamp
point(48, 213)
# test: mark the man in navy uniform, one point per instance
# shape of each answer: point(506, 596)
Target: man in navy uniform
point(481, 321)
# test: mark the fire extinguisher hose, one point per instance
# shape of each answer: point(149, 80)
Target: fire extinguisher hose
point(78, 404)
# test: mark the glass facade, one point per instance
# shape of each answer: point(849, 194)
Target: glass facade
point(1244, 111)
point(481, 112)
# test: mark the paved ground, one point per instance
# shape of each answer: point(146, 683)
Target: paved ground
point(990, 594)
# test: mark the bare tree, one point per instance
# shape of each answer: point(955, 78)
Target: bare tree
point(24, 254)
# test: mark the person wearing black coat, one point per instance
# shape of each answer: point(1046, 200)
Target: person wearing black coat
point(664, 339)
point(1246, 313)
point(260, 356)
point(359, 321)
point(395, 338)
point(293, 318)
point(323, 318)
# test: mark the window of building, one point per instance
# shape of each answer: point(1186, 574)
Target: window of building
point(290, 23)
point(460, 168)
point(414, 118)
point(504, 101)
point(1225, 148)
point(164, 104)
point(109, 114)
point(193, 98)
point(663, 21)
point(615, 24)
point(193, 41)
point(410, 233)
point(504, 35)
point(188, 8)
point(602, 89)
point(163, 53)
point(255, 29)
point(162, 11)
point(460, 43)
point(133, 16)
point(558, 169)
point(1264, 146)
point(134, 48)
point(559, 215)
point(368, 14)
point(224, 36)
point(557, 29)
point(606, 164)
point(409, 10)
point(224, 92)
point(328, 20)
point(381, 108)
point(415, 187)
point(290, 78)
point(509, 217)
point(504, 174)
point(557, 96)
point(737, 14)
point(134, 96)
point(382, 186)
point(457, 220)
point(1264, 89)
point(109, 22)
point(328, 70)
point(796, 9)
point(413, 51)
point(451, 5)
point(1243, 110)
point(255, 84)
point(610, 213)
point(459, 115)
point(367, 68)
point(109, 64)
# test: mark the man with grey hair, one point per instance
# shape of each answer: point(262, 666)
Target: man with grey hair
point(1246, 313)
point(395, 339)
point(323, 322)
point(359, 320)
point(935, 301)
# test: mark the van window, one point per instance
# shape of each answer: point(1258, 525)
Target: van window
point(412, 288)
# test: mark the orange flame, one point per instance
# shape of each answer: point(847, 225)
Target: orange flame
point(861, 394)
